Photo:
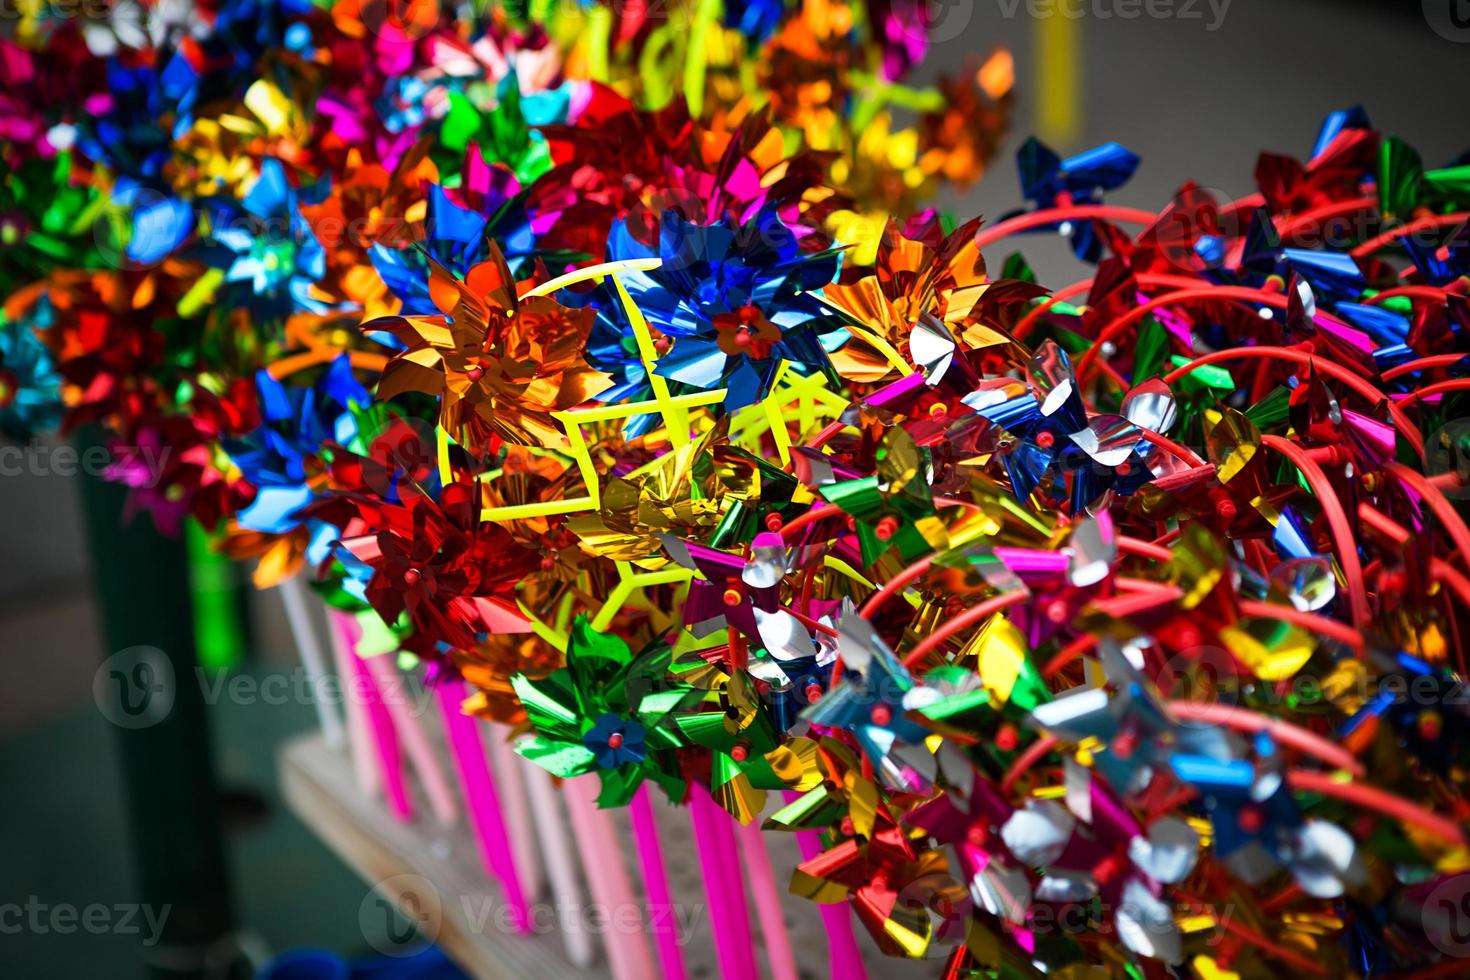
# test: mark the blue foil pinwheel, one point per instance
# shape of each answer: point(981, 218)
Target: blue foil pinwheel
point(271, 258)
point(458, 238)
point(729, 303)
point(296, 424)
point(1048, 180)
point(30, 386)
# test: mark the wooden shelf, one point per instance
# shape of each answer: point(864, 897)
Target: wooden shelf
point(431, 867)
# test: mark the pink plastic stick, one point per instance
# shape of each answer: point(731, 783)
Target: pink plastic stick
point(387, 742)
point(482, 799)
point(734, 881)
point(656, 882)
point(359, 728)
point(627, 953)
point(558, 848)
point(768, 906)
point(508, 771)
point(843, 958)
point(729, 921)
point(392, 690)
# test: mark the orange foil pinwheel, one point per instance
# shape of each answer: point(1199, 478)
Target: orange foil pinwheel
point(930, 277)
point(500, 362)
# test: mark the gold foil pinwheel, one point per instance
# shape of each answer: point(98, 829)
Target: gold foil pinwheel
point(500, 363)
point(934, 280)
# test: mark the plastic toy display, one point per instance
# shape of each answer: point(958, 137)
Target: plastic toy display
point(605, 364)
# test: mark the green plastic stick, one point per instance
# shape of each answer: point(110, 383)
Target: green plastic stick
point(219, 627)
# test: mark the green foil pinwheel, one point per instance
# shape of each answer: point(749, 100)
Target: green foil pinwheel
point(607, 712)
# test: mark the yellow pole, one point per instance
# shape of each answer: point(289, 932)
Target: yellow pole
point(1057, 76)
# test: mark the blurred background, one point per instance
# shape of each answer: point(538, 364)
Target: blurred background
point(1197, 93)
